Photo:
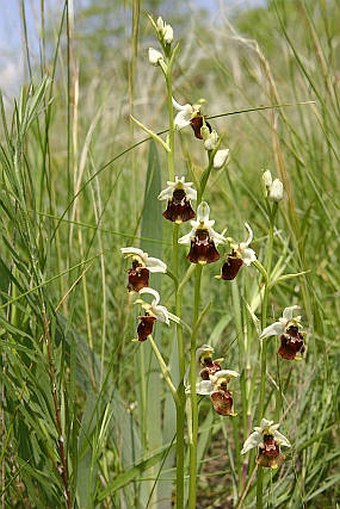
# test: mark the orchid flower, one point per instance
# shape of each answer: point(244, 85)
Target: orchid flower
point(190, 115)
point(217, 388)
point(185, 113)
point(288, 327)
point(204, 358)
point(153, 312)
point(179, 195)
point(268, 440)
point(142, 265)
point(241, 255)
point(202, 238)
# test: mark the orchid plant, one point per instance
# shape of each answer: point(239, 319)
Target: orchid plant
point(203, 242)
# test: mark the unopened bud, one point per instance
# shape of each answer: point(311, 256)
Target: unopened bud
point(276, 191)
point(221, 158)
point(155, 56)
point(267, 179)
point(210, 138)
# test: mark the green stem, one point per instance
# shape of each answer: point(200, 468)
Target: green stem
point(259, 484)
point(194, 407)
point(180, 415)
point(180, 403)
point(205, 178)
point(264, 318)
point(171, 142)
point(259, 489)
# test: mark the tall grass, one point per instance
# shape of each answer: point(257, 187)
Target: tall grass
point(86, 417)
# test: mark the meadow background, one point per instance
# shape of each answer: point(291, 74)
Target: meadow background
point(79, 181)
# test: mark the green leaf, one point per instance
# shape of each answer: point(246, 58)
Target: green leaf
point(152, 220)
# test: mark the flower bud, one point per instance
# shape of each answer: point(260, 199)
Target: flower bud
point(165, 31)
point(267, 180)
point(221, 158)
point(210, 138)
point(155, 56)
point(168, 34)
point(276, 191)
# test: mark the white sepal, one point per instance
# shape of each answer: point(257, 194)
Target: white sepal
point(179, 183)
point(225, 373)
point(275, 329)
point(205, 388)
point(281, 439)
point(153, 292)
point(161, 313)
point(288, 313)
point(203, 212)
point(156, 265)
point(252, 441)
point(149, 262)
point(182, 119)
point(130, 251)
point(249, 256)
